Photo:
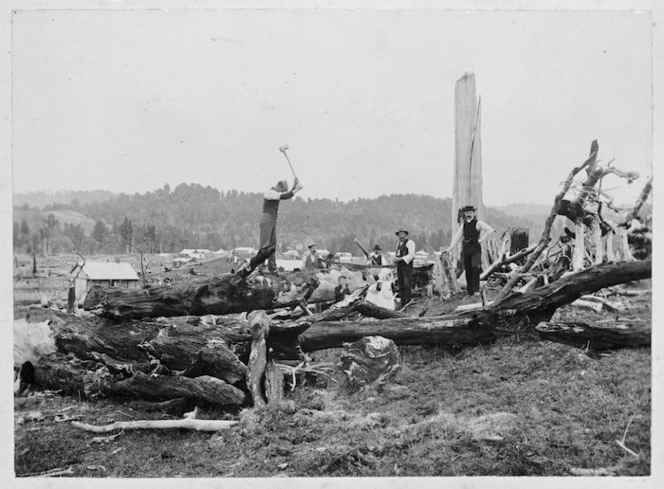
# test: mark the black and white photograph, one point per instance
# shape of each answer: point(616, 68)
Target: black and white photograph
point(330, 243)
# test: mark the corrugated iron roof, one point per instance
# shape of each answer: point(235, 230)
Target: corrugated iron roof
point(109, 271)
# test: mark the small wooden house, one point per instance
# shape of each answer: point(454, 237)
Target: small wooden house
point(104, 273)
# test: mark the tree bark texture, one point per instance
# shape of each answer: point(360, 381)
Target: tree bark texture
point(621, 335)
point(232, 294)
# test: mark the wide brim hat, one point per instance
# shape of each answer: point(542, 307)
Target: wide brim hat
point(401, 231)
point(376, 248)
point(468, 208)
point(281, 184)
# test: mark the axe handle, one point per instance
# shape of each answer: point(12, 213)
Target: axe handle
point(289, 163)
point(366, 253)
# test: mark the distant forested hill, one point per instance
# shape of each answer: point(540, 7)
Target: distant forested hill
point(194, 216)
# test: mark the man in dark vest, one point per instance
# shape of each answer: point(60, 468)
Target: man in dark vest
point(271, 200)
point(311, 258)
point(405, 255)
point(375, 258)
point(474, 233)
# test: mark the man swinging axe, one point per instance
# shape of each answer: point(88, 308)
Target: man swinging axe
point(474, 232)
point(271, 199)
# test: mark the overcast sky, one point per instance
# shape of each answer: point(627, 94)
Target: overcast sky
point(130, 100)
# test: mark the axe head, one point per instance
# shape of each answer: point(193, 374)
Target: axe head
point(283, 148)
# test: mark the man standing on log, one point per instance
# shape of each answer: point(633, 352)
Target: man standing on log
point(271, 200)
point(474, 233)
point(405, 255)
point(375, 258)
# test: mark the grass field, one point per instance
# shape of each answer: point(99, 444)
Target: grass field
point(514, 408)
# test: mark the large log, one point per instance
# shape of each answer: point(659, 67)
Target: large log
point(174, 342)
point(230, 293)
point(163, 388)
point(453, 330)
point(540, 304)
point(465, 328)
point(620, 335)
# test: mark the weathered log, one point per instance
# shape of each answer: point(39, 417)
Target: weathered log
point(540, 304)
point(164, 387)
point(174, 407)
point(274, 385)
point(218, 362)
point(454, 330)
point(477, 327)
point(80, 378)
point(260, 329)
point(372, 310)
point(174, 342)
point(619, 335)
point(449, 275)
point(226, 294)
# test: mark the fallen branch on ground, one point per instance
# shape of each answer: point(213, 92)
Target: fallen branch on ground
point(188, 423)
point(50, 473)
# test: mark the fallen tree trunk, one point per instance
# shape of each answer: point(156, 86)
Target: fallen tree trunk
point(226, 294)
point(476, 327)
point(540, 304)
point(164, 387)
point(174, 342)
point(620, 335)
point(453, 330)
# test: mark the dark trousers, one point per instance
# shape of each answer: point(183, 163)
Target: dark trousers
point(404, 282)
point(269, 237)
point(472, 263)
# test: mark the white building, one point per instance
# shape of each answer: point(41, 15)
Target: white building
point(198, 254)
point(103, 273)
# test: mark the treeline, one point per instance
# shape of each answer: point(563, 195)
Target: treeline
point(196, 216)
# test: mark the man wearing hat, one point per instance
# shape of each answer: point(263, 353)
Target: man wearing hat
point(375, 258)
point(271, 200)
point(405, 255)
point(474, 233)
point(311, 259)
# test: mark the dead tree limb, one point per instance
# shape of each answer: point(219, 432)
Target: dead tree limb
point(643, 197)
point(546, 233)
point(506, 261)
point(161, 424)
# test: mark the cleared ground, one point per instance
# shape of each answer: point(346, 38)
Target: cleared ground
point(520, 406)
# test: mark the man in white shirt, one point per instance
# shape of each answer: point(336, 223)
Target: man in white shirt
point(271, 200)
point(474, 233)
point(404, 257)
